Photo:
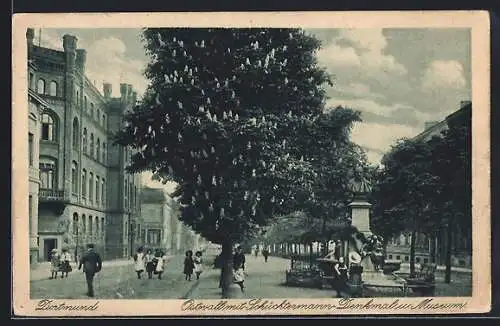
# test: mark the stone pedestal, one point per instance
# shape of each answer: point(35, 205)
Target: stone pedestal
point(360, 215)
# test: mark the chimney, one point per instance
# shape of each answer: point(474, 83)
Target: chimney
point(123, 92)
point(69, 43)
point(81, 58)
point(465, 103)
point(30, 36)
point(107, 89)
point(129, 94)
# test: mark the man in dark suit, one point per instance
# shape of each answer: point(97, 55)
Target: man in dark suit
point(92, 264)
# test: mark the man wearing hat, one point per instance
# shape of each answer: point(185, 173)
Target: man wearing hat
point(92, 264)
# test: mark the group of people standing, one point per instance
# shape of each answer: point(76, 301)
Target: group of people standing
point(193, 264)
point(60, 263)
point(153, 264)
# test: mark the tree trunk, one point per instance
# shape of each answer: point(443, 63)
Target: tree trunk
point(412, 252)
point(449, 247)
point(226, 277)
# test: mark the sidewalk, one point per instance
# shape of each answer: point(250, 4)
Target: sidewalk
point(42, 270)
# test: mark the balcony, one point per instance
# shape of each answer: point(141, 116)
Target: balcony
point(55, 200)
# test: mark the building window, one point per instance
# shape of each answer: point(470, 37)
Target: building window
point(47, 173)
point(85, 103)
point(41, 86)
point(103, 191)
point(126, 230)
point(91, 187)
point(75, 225)
point(97, 188)
point(74, 178)
point(91, 110)
point(30, 148)
point(76, 137)
point(97, 229)
point(98, 149)
point(48, 127)
point(91, 231)
point(84, 140)
point(92, 150)
point(30, 81)
point(104, 121)
point(98, 115)
point(53, 88)
point(77, 99)
point(102, 228)
point(84, 183)
point(84, 225)
point(103, 152)
point(126, 194)
point(30, 211)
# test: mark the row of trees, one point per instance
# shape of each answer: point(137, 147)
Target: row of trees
point(425, 186)
point(237, 118)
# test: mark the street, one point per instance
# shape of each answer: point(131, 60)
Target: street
point(117, 282)
point(263, 280)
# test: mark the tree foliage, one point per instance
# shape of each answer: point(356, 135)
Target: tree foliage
point(221, 117)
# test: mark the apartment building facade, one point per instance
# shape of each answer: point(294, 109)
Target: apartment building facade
point(161, 226)
point(84, 194)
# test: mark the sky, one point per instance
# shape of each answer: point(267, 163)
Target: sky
point(397, 78)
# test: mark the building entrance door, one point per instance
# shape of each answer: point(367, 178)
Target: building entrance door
point(48, 245)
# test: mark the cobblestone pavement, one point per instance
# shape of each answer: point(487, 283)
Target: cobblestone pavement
point(117, 281)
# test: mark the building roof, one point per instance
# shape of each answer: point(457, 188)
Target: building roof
point(436, 128)
point(152, 195)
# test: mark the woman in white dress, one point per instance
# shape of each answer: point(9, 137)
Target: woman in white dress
point(198, 266)
point(160, 264)
point(139, 262)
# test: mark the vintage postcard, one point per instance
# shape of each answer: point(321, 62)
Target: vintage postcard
point(286, 163)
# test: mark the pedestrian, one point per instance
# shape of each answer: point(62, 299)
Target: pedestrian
point(139, 262)
point(65, 263)
point(340, 282)
point(294, 257)
point(188, 265)
point(239, 268)
point(55, 263)
point(256, 251)
point(160, 262)
point(92, 264)
point(265, 253)
point(150, 264)
point(198, 264)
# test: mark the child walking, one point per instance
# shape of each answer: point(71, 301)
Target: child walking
point(188, 265)
point(139, 262)
point(150, 264)
point(55, 261)
point(198, 264)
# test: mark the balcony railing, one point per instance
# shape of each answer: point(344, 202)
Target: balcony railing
point(51, 195)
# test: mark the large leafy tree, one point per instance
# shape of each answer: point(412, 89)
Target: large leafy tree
point(220, 117)
point(425, 185)
point(404, 190)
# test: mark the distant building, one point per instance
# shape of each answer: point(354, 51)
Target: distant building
point(85, 195)
point(434, 247)
point(161, 226)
